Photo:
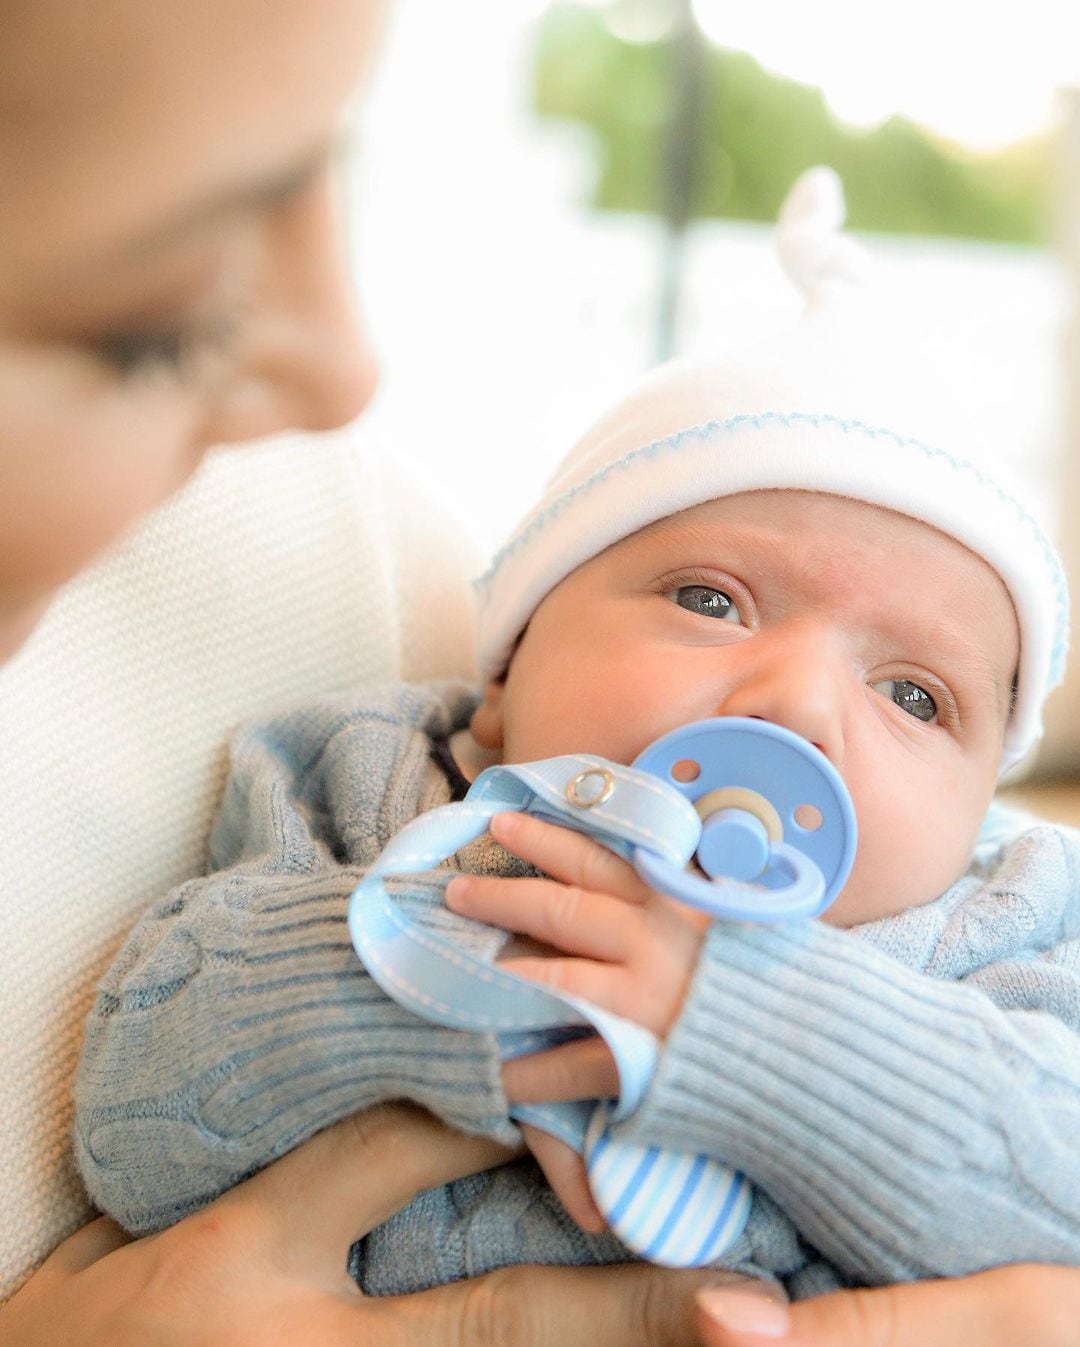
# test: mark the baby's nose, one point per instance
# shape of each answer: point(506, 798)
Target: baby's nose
point(797, 682)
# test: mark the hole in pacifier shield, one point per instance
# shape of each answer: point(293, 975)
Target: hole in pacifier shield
point(809, 817)
point(686, 770)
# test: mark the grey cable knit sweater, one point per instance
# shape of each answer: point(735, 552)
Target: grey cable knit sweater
point(904, 1095)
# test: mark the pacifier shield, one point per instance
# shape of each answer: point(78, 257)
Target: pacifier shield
point(780, 767)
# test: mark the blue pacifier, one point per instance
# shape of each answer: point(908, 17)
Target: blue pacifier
point(775, 814)
point(768, 827)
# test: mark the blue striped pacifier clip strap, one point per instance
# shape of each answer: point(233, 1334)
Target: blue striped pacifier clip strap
point(676, 1209)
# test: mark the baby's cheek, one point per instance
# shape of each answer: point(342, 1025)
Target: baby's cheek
point(912, 847)
point(899, 859)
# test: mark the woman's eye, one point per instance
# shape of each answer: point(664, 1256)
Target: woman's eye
point(910, 697)
point(131, 353)
point(171, 349)
point(707, 601)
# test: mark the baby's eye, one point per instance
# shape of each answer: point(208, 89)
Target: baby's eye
point(707, 601)
point(910, 697)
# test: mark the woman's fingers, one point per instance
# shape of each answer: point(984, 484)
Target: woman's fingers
point(582, 1069)
point(568, 856)
point(266, 1263)
point(1006, 1307)
point(562, 916)
point(320, 1198)
point(82, 1248)
point(629, 1304)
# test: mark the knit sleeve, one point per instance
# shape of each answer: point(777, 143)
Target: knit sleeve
point(237, 1019)
point(909, 1125)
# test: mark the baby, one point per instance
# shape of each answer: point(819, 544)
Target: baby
point(900, 1080)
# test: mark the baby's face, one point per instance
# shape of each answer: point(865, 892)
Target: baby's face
point(887, 644)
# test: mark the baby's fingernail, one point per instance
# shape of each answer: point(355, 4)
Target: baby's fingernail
point(458, 890)
point(745, 1312)
point(504, 825)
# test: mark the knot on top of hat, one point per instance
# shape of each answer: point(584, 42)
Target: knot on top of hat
point(813, 250)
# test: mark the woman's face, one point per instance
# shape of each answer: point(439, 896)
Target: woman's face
point(170, 272)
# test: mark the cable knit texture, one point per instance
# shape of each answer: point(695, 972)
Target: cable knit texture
point(237, 1019)
point(905, 1095)
point(914, 1119)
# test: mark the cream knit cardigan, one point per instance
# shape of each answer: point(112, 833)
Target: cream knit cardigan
point(284, 570)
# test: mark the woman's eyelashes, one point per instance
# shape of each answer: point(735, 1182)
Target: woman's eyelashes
point(706, 600)
point(174, 349)
point(910, 697)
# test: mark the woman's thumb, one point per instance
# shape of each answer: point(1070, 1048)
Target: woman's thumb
point(84, 1247)
point(1006, 1307)
point(341, 1183)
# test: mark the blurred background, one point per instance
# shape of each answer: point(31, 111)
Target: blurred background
point(588, 186)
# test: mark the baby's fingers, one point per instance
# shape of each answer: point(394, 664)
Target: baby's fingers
point(567, 918)
point(608, 986)
point(582, 1069)
point(564, 1169)
point(569, 856)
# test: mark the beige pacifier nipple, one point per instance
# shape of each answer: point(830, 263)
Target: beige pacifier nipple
point(741, 797)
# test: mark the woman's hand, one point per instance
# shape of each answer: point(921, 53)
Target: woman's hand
point(265, 1264)
point(1024, 1306)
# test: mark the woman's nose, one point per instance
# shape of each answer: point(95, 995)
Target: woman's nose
point(797, 679)
point(308, 366)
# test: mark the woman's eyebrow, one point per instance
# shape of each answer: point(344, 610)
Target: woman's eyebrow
point(258, 193)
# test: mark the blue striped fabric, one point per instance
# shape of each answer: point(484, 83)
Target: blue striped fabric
point(680, 1210)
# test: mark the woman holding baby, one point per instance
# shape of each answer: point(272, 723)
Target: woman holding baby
point(170, 279)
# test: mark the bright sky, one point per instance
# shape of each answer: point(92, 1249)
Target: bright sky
point(981, 73)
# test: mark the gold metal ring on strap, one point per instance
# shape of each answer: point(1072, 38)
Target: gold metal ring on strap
point(591, 787)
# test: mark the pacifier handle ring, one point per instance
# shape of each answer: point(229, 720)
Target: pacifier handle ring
point(803, 896)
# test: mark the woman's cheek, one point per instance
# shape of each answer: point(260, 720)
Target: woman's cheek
point(78, 471)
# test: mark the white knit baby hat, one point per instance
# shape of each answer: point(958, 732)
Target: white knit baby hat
point(818, 408)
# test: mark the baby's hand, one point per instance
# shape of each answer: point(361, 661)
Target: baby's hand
point(607, 938)
point(611, 940)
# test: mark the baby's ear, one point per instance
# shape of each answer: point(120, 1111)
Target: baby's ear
point(487, 720)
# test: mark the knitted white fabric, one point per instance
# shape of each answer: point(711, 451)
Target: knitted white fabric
point(817, 408)
point(275, 576)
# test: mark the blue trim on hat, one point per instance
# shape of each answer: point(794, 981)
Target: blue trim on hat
point(792, 420)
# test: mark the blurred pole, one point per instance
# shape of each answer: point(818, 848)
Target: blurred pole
point(1060, 751)
point(679, 172)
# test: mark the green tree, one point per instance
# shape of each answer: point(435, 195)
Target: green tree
point(761, 130)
